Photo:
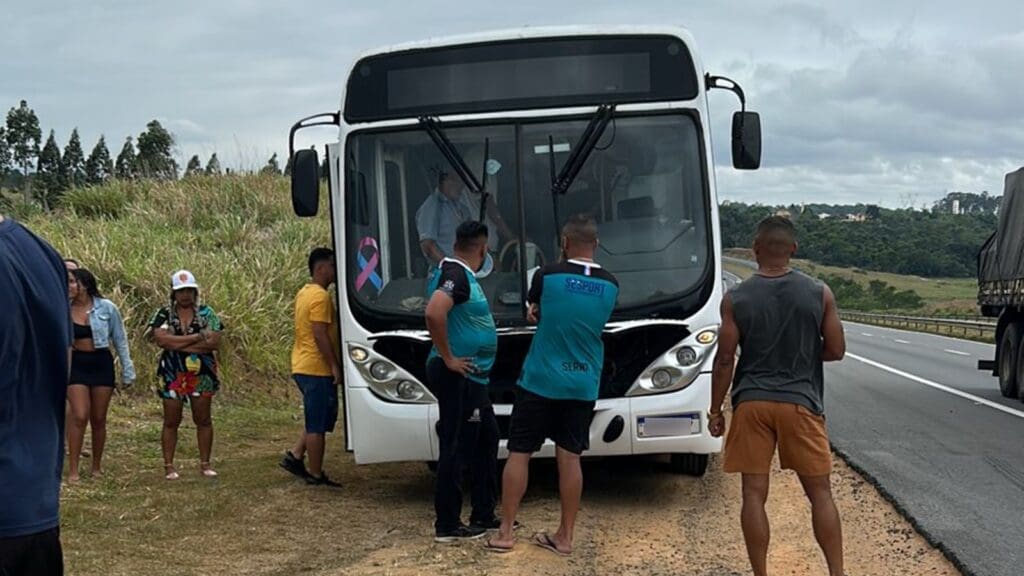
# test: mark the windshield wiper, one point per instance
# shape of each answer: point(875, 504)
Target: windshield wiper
point(433, 128)
point(577, 157)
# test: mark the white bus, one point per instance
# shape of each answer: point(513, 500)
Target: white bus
point(538, 124)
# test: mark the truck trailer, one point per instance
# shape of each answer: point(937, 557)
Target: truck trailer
point(1001, 288)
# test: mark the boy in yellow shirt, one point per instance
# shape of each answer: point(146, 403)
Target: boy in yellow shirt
point(316, 368)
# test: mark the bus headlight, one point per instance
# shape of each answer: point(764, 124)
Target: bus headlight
point(706, 337)
point(407, 390)
point(678, 367)
point(358, 354)
point(687, 356)
point(661, 379)
point(381, 370)
point(386, 379)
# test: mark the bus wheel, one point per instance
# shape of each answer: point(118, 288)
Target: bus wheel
point(1009, 351)
point(689, 464)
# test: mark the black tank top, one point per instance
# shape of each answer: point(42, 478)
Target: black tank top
point(780, 340)
point(83, 331)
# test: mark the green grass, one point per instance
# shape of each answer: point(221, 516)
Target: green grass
point(236, 233)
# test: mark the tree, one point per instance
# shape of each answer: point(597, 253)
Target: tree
point(325, 169)
point(213, 166)
point(73, 161)
point(155, 159)
point(873, 212)
point(194, 168)
point(23, 137)
point(272, 166)
point(99, 167)
point(50, 175)
point(288, 167)
point(127, 167)
point(5, 155)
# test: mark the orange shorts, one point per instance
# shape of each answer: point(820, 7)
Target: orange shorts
point(758, 426)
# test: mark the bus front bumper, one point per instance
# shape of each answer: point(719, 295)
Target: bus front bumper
point(670, 423)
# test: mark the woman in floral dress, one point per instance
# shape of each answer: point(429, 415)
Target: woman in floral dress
point(190, 334)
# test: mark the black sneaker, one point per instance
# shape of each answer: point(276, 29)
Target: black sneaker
point(493, 524)
point(322, 480)
point(459, 534)
point(294, 465)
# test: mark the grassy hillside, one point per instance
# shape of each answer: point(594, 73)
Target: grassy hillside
point(942, 296)
point(236, 233)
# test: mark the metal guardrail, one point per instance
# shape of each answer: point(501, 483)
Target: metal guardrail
point(975, 328)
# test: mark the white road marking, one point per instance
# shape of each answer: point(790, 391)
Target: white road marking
point(901, 341)
point(865, 334)
point(957, 352)
point(937, 386)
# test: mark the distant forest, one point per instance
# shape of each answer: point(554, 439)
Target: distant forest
point(940, 242)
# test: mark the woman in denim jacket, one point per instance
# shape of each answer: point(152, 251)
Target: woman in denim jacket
point(98, 327)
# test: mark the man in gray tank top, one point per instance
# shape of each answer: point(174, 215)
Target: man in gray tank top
point(786, 325)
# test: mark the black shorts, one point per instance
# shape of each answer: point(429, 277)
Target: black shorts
point(94, 368)
point(32, 555)
point(534, 418)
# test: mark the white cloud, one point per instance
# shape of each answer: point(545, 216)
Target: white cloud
point(860, 100)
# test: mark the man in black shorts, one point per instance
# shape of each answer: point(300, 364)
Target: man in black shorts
point(570, 301)
point(35, 348)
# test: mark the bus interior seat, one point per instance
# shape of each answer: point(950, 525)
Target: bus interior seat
point(633, 208)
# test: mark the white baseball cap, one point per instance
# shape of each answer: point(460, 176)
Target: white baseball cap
point(183, 279)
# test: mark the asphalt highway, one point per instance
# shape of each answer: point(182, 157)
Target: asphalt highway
point(912, 411)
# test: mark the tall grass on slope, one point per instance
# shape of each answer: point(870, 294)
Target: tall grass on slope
point(236, 233)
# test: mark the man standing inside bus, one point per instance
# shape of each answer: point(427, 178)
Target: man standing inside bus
point(465, 342)
point(789, 325)
point(442, 212)
point(316, 368)
point(571, 301)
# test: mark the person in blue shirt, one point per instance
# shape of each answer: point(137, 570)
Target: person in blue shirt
point(442, 212)
point(465, 342)
point(571, 301)
point(35, 348)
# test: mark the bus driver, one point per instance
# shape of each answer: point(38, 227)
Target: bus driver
point(441, 213)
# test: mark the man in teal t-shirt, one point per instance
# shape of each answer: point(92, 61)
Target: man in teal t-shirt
point(458, 369)
point(571, 301)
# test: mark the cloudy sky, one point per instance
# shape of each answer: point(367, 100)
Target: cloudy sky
point(861, 100)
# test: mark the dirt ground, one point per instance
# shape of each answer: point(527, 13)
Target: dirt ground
point(640, 519)
point(637, 518)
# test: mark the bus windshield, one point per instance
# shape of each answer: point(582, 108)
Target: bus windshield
point(643, 183)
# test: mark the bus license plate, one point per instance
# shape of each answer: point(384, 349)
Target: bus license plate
point(673, 425)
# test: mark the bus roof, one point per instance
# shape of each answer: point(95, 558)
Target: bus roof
point(526, 32)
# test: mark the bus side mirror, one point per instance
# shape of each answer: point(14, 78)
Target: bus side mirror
point(305, 183)
point(746, 140)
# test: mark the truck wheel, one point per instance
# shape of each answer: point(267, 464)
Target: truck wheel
point(1009, 360)
point(1020, 372)
point(689, 464)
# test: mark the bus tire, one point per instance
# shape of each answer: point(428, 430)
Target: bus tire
point(689, 464)
point(1009, 361)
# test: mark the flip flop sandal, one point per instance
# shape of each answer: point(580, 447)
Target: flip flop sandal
point(205, 470)
point(496, 549)
point(172, 474)
point(544, 541)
